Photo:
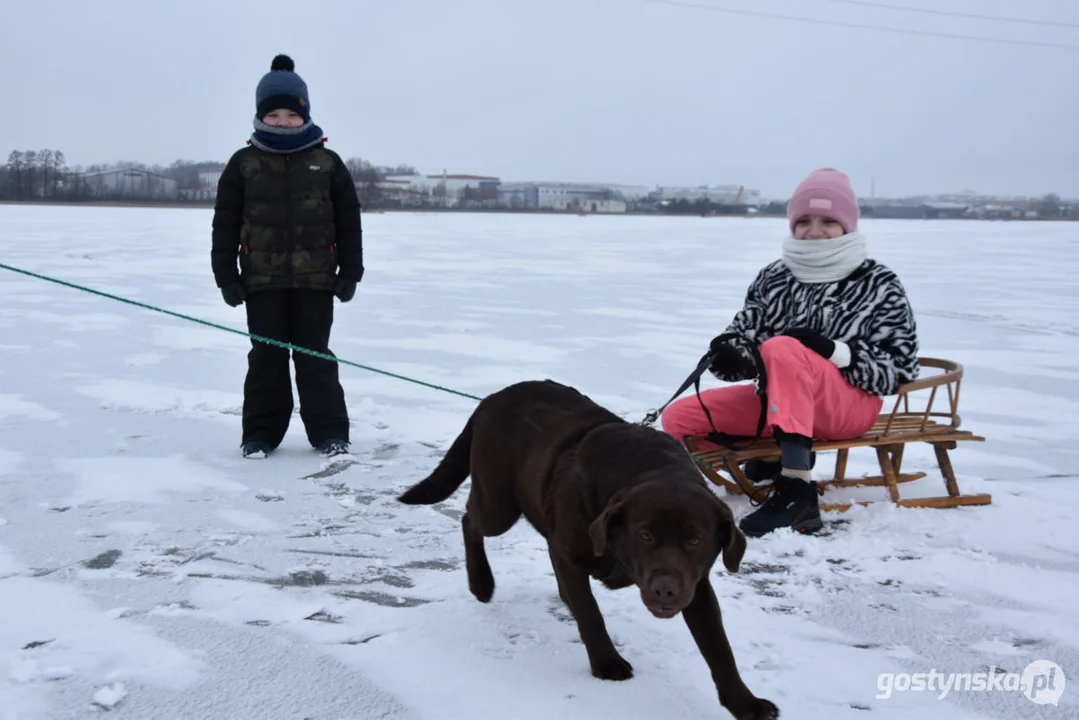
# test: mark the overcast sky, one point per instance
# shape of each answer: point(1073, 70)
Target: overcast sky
point(620, 91)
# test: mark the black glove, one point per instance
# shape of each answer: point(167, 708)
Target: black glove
point(726, 360)
point(344, 289)
point(813, 340)
point(233, 293)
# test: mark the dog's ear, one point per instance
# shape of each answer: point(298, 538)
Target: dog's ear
point(730, 540)
point(601, 526)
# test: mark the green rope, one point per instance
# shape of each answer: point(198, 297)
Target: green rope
point(269, 341)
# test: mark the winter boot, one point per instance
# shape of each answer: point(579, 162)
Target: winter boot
point(331, 447)
point(792, 504)
point(257, 449)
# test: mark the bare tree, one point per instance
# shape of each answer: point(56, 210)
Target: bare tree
point(30, 161)
point(44, 161)
point(358, 166)
point(52, 167)
point(367, 177)
point(1050, 206)
point(438, 194)
point(60, 170)
point(16, 165)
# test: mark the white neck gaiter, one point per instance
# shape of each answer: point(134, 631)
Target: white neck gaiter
point(826, 260)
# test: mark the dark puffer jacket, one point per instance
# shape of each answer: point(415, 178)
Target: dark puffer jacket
point(292, 220)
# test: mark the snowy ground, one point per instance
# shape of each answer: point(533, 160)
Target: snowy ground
point(146, 569)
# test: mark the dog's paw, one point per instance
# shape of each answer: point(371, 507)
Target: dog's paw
point(754, 709)
point(483, 592)
point(614, 667)
point(481, 581)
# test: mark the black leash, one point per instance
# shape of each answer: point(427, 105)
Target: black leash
point(728, 441)
point(693, 379)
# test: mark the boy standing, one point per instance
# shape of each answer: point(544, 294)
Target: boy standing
point(287, 209)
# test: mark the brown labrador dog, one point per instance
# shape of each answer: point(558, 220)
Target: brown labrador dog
point(616, 501)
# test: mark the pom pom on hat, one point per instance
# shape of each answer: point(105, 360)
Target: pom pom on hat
point(283, 62)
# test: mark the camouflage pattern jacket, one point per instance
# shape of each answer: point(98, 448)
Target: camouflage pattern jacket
point(292, 220)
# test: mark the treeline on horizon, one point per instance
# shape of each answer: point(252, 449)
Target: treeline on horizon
point(44, 176)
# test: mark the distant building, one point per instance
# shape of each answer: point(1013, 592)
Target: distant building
point(206, 189)
point(630, 193)
point(947, 210)
point(891, 210)
point(1009, 210)
point(461, 189)
point(128, 184)
point(445, 190)
point(721, 194)
point(209, 178)
point(392, 191)
point(454, 183)
point(570, 197)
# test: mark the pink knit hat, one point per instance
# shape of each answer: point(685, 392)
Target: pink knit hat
point(826, 192)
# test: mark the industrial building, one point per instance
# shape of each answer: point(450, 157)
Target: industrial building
point(127, 184)
point(440, 190)
point(720, 194)
point(569, 197)
point(460, 190)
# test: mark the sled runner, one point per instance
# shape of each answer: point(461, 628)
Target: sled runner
point(888, 437)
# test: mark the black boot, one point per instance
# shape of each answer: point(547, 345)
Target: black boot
point(792, 504)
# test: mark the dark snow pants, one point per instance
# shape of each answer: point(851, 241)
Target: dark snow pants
point(303, 318)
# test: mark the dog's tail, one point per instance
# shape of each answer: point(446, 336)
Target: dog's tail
point(451, 472)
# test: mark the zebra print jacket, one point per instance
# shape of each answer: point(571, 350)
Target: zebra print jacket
point(867, 315)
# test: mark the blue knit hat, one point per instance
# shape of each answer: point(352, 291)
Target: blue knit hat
point(282, 88)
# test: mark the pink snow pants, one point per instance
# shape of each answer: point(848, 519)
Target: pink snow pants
point(807, 395)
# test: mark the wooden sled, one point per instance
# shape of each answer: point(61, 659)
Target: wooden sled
point(888, 436)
